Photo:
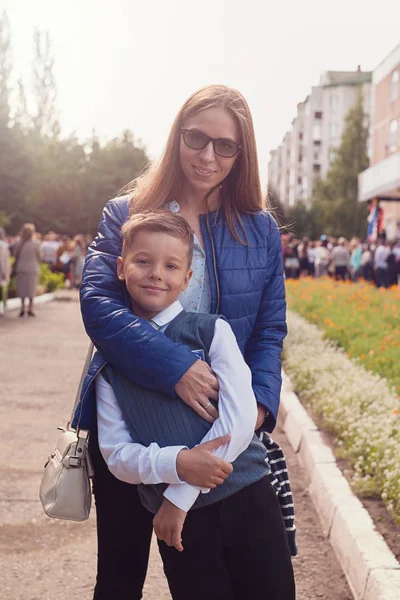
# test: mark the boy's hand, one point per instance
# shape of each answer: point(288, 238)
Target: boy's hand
point(168, 524)
point(200, 467)
point(196, 387)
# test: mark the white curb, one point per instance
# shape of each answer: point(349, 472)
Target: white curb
point(15, 303)
point(372, 571)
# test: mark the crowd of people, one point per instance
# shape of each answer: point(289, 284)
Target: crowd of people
point(377, 262)
point(61, 253)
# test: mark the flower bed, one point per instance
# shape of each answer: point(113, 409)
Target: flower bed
point(363, 320)
point(359, 407)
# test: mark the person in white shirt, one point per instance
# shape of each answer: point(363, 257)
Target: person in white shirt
point(49, 248)
point(155, 268)
point(381, 267)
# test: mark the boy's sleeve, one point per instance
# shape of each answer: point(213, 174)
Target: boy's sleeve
point(237, 408)
point(128, 461)
point(127, 342)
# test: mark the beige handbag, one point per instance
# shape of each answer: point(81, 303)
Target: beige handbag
point(65, 490)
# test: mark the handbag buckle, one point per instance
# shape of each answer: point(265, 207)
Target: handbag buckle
point(74, 461)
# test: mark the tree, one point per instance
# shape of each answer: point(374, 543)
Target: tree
point(303, 221)
point(21, 117)
point(57, 183)
point(44, 86)
point(5, 69)
point(336, 197)
point(13, 159)
point(275, 205)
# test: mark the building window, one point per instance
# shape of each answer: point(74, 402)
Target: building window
point(318, 115)
point(392, 142)
point(300, 135)
point(316, 168)
point(334, 102)
point(334, 130)
point(332, 155)
point(300, 157)
point(317, 142)
point(395, 85)
point(317, 132)
point(299, 180)
point(316, 155)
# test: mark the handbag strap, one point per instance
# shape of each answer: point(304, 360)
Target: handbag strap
point(18, 253)
point(79, 390)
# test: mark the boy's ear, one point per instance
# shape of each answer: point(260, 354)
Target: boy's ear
point(120, 268)
point(188, 277)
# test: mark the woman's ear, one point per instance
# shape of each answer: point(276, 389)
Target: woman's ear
point(120, 268)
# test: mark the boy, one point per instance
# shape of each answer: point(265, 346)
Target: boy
point(233, 539)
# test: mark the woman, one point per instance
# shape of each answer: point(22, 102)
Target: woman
point(26, 267)
point(355, 259)
point(302, 251)
point(341, 260)
point(209, 174)
point(322, 258)
point(78, 260)
point(64, 257)
point(367, 261)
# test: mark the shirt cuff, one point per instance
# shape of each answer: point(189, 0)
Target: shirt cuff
point(183, 496)
point(166, 464)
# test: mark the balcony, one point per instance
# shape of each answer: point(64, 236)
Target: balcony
point(381, 181)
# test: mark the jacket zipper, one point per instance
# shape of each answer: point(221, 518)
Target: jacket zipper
point(214, 263)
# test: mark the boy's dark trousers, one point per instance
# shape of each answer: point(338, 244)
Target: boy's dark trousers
point(240, 539)
point(234, 549)
point(124, 529)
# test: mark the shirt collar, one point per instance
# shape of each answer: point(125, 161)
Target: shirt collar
point(168, 314)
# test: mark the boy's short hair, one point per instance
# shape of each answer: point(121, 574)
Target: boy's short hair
point(163, 221)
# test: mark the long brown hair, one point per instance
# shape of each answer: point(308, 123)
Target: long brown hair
point(241, 191)
point(27, 231)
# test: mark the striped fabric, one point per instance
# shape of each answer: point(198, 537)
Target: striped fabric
point(279, 479)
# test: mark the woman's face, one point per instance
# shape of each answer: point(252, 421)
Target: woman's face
point(204, 169)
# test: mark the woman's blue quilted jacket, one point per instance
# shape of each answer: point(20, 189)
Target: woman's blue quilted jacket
point(247, 288)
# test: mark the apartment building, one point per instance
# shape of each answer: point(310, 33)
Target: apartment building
point(381, 181)
point(315, 134)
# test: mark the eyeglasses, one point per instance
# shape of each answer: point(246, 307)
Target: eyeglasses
point(197, 140)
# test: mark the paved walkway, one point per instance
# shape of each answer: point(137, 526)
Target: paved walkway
point(42, 558)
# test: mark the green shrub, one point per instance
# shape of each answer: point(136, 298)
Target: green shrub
point(48, 280)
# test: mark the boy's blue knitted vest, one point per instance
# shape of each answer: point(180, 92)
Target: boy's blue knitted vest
point(152, 416)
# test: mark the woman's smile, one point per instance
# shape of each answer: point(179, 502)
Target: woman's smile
point(203, 172)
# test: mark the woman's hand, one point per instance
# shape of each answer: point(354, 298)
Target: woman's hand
point(197, 387)
point(262, 414)
point(200, 467)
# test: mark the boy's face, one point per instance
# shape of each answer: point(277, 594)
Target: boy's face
point(155, 269)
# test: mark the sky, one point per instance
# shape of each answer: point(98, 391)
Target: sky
point(131, 64)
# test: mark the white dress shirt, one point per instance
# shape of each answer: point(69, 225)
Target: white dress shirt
point(134, 463)
point(381, 255)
